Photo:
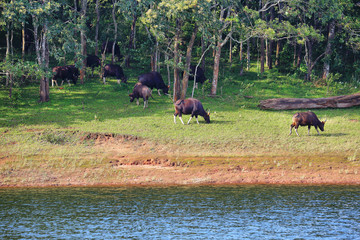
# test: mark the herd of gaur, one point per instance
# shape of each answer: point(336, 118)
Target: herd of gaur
point(148, 81)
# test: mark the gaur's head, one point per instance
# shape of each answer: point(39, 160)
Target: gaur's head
point(131, 95)
point(321, 125)
point(207, 117)
point(166, 90)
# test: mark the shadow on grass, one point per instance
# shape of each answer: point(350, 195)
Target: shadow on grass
point(322, 135)
point(332, 134)
point(225, 122)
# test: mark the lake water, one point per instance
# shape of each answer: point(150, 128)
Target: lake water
point(204, 212)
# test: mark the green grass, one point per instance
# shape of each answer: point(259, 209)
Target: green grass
point(237, 126)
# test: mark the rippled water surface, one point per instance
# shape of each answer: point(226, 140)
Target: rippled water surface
point(206, 212)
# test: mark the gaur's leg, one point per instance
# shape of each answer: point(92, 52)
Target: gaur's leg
point(291, 127)
point(180, 116)
point(137, 101)
point(197, 119)
point(296, 128)
point(52, 82)
point(104, 79)
point(159, 92)
point(309, 129)
point(175, 118)
point(316, 130)
point(190, 119)
point(146, 102)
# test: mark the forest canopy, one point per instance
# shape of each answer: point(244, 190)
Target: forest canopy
point(317, 40)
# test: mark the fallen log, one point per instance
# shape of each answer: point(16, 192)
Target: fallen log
point(344, 101)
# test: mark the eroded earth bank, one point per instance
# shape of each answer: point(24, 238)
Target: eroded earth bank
point(127, 160)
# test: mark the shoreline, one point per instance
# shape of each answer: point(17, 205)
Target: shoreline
point(160, 176)
point(135, 162)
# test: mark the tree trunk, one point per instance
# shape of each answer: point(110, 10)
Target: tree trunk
point(266, 52)
point(271, 42)
point(230, 52)
point(220, 43)
point(248, 55)
point(308, 103)
point(157, 57)
point(168, 69)
point(36, 39)
point(177, 84)
point(262, 55)
point(7, 56)
point(269, 54)
point(115, 32)
point(97, 28)
point(299, 55)
point(12, 40)
point(308, 57)
point(185, 80)
point(277, 55)
point(44, 82)
point(131, 40)
point(154, 57)
point(328, 50)
point(23, 41)
point(152, 62)
point(83, 40)
point(241, 59)
point(262, 42)
point(295, 55)
point(216, 68)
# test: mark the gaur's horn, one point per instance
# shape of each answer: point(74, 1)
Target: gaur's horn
point(208, 112)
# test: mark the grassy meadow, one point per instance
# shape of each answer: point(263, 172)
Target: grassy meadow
point(34, 134)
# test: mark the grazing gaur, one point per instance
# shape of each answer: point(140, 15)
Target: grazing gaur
point(306, 119)
point(114, 70)
point(200, 75)
point(153, 80)
point(141, 91)
point(190, 106)
point(69, 72)
point(92, 61)
point(107, 47)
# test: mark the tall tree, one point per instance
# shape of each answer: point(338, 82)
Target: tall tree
point(83, 39)
point(114, 2)
point(328, 50)
point(97, 27)
point(166, 22)
point(222, 25)
point(262, 42)
point(177, 83)
point(133, 6)
point(41, 12)
point(187, 63)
